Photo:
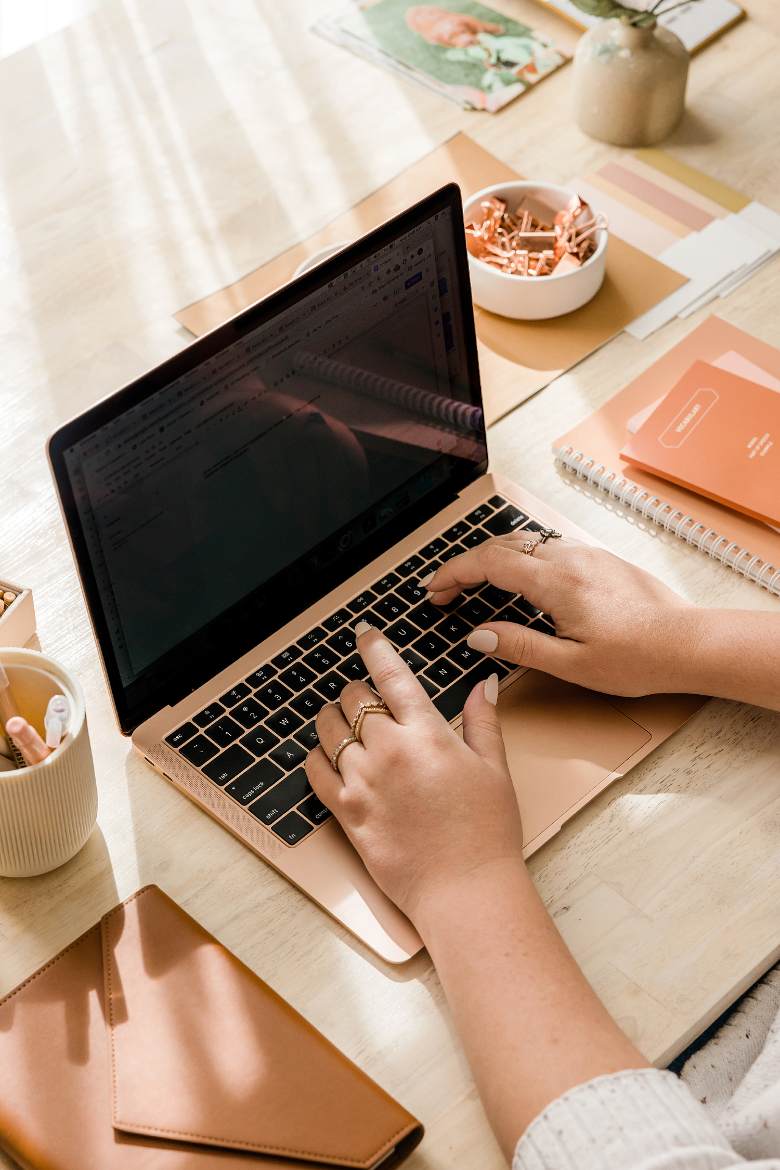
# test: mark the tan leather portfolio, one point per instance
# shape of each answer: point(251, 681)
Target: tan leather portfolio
point(147, 1045)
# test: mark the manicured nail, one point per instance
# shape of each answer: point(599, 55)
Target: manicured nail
point(484, 640)
point(362, 628)
point(491, 688)
point(426, 580)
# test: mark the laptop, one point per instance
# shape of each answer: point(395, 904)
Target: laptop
point(235, 511)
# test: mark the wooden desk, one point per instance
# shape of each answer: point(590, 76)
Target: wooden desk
point(158, 149)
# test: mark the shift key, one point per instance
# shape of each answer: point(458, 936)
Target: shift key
point(281, 798)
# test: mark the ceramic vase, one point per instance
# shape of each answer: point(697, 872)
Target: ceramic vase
point(629, 82)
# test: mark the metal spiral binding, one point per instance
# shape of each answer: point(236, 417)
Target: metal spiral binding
point(681, 524)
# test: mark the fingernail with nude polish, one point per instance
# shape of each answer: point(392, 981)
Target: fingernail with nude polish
point(362, 628)
point(491, 688)
point(426, 580)
point(484, 640)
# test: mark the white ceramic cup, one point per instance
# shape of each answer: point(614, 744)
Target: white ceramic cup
point(533, 298)
point(47, 811)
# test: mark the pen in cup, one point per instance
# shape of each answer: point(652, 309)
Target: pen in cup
point(27, 739)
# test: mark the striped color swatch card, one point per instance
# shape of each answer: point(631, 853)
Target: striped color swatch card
point(703, 229)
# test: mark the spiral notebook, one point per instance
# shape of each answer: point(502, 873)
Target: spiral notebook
point(590, 453)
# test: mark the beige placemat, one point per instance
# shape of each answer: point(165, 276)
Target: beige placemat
point(517, 358)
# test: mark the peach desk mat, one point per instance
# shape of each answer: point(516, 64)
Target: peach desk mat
point(517, 358)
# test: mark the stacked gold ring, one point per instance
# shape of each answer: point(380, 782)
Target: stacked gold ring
point(374, 708)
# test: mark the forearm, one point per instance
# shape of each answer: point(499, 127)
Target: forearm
point(735, 654)
point(530, 1023)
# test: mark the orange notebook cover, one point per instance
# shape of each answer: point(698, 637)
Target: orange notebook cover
point(591, 454)
point(716, 434)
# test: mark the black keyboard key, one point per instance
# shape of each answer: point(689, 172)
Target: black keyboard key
point(307, 736)
point(353, 668)
point(480, 514)
point(535, 526)
point(411, 591)
point(425, 615)
point(430, 645)
point(374, 619)
point(453, 551)
point(362, 601)
point(496, 501)
point(228, 765)
point(181, 735)
point(288, 755)
point(259, 741)
point(410, 565)
point(254, 781)
point(507, 520)
point(286, 657)
point(459, 529)
point(389, 581)
point(496, 598)
point(284, 722)
point(474, 611)
point(297, 677)
point(343, 641)
point(281, 798)
point(274, 694)
point(473, 538)
point(292, 828)
point(450, 702)
point(260, 676)
point(443, 672)
point(225, 731)
point(208, 714)
point(525, 611)
point(433, 548)
point(313, 637)
point(428, 686)
point(235, 695)
point(314, 810)
point(330, 686)
point(249, 712)
point(337, 619)
point(321, 659)
point(199, 750)
point(307, 704)
point(413, 660)
point(401, 633)
point(452, 628)
point(464, 656)
point(391, 607)
point(543, 625)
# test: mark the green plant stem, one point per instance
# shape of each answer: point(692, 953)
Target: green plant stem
point(671, 8)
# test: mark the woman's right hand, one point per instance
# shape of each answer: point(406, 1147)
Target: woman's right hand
point(620, 630)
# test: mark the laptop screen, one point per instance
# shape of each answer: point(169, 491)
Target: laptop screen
point(221, 494)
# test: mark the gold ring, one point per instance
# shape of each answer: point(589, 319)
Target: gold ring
point(364, 709)
point(529, 546)
point(334, 759)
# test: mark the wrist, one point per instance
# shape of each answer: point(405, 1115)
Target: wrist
point(474, 895)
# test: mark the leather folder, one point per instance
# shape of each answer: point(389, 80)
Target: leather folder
point(147, 1045)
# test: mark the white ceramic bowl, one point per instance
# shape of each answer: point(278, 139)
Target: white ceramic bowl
point(533, 298)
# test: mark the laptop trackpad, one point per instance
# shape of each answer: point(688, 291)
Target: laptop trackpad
point(561, 743)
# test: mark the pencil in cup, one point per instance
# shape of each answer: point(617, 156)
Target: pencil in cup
point(47, 810)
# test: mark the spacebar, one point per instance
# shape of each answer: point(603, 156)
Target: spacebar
point(450, 702)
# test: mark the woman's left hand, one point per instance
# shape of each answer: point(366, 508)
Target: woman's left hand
point(422, 806)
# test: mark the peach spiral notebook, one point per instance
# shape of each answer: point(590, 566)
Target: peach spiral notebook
point(594, 453)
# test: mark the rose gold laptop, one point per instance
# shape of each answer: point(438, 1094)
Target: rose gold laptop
point(234, 512)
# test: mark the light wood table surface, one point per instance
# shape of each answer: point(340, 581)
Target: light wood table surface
point(158, 149)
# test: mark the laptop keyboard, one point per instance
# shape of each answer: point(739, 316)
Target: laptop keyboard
point(252, 740)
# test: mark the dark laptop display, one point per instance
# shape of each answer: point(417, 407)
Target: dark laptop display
point(222, 493)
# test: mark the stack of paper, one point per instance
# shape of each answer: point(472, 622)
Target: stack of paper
point(701, 228)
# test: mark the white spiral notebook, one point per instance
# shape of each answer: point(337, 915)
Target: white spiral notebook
point(591, 453)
